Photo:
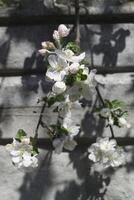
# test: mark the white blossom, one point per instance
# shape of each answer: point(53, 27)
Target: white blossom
point(64, 142)
point(57, 70)
point(85, 89)
point(123, 122)
point(63, 30)
point(107, 153)
point(21, 153)
point(65, 107)
point(69, 55)
point(67, 141)
point(59, 87)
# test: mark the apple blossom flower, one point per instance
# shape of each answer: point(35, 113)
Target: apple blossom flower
point(21, 153)
point(59, 87)
point(57, 70)
point(65, 107)
point(115, 158)
point(85, 89)
point(63, 30)
point(66, 141)
point(106, 144)
point(123, 122)
point(107, 153)
point(69, 55)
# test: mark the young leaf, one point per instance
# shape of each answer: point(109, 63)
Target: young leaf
point(20, 135)
point(73, 47)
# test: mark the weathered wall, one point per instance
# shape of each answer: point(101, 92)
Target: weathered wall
point(69, 175)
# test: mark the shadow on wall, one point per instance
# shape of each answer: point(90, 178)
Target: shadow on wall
point(110, 44)
point(36, 185)
point(43, 184)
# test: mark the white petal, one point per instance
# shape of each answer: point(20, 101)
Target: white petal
point(73, 131)
point(16, 160)
point(9, 147)
point(52, 59)
point(78, 58)
point(15, 153)
point(59, 87)
point(54, 75)
point(62, 62)
point(34, 162)
point(27, 162)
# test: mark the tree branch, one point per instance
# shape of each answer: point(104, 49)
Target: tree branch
point(102, 101)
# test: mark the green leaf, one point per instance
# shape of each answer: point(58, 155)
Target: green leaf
point(51, 101)
point(33, 141)
point(85, 62)
point(63, 131)
point(73, 47)
point(20, 135)
point(83, 77)
point(70, 79)
point(108, 104)
point(60, 98)
point(34, 151)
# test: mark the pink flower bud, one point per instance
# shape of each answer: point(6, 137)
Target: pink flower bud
point(73, 68)
point(42, 51)
point(47, 45)
point(56, 35)
point(63, 30)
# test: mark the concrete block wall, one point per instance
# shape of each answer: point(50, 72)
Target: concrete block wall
point(69, 175)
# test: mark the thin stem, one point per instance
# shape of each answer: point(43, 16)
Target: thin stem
point(102, 101)
point(40, 119)
point(77, 21)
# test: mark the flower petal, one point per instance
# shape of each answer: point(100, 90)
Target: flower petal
point(52, 59)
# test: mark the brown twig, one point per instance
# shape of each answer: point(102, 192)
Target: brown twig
point(102, 101)
point(40, 119)
point(77, 21)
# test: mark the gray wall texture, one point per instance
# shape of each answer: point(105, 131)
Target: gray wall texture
point(69, 176)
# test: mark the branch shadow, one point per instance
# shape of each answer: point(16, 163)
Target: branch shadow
point(111, 43)
point(36, 184)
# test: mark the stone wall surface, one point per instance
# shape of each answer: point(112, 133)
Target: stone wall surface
point(69, 176)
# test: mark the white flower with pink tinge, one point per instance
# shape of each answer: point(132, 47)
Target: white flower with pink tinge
point(67, 141)
point(69, 55)
point(107, 153)
point(57, 70)
point(21, 153)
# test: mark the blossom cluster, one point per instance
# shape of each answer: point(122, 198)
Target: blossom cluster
point(71, 81)
point(107, 153)
point(22, 151)
point(113, 112)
